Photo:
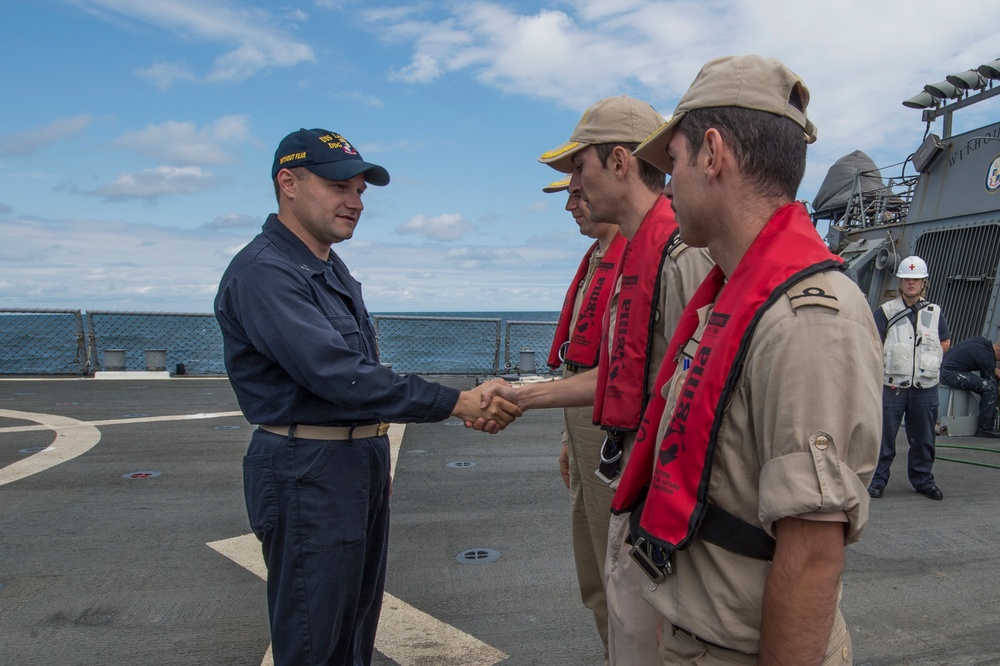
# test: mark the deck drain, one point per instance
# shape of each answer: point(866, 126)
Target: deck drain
point(461, 463)
point(461, 423)
point(227, 427)
point(133, 416)
point(477, 556)
point(140, 475)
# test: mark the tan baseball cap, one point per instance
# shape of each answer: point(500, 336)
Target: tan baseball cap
point(619, 119)
point(560, 185)
point(750, 82)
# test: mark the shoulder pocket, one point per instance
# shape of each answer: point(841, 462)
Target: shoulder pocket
point(813, 290)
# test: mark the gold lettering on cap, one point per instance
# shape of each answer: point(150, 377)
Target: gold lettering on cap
point(293, 156)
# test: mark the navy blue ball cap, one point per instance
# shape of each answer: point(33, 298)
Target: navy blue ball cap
point(326, 154)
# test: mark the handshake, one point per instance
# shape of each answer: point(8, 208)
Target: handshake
point(489, 407)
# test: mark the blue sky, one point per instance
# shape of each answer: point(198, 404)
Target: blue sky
point(136, 137)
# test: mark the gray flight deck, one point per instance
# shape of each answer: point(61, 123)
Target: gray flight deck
point(96, 568)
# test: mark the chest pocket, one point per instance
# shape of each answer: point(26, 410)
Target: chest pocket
point(347, 326)
point(930, 345)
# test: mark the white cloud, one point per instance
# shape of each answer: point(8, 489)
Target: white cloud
point(548, 55)
point(860, 59)
point(234, 221)
point(151, 184)
point(108, 264)
point(401, 146)
point(477, 256)
point(164, 74)
point(361, 98)
point(333, 4)
point(400, 278)
point(111, 264)
point(535, 207)
point(32, 141)
point(447, 227)
point(257, 41)
point(183, 144)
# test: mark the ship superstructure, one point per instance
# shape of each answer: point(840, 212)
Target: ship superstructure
point(943, 205)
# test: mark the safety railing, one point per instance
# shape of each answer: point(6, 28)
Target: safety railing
point(36, 341)
point(439, 345)
point(192, 342)
point(528, 342)
point(59, 342)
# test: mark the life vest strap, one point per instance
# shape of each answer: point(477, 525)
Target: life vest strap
point(725, 530)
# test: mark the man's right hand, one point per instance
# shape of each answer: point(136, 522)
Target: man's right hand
point(564, 463)
point(490, 407)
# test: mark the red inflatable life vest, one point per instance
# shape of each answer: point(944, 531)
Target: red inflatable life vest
point(584, 345)
point(785, 251)
point(623, 373)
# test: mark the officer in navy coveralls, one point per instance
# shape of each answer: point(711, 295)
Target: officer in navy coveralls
point(975, 355)
point(300, 352)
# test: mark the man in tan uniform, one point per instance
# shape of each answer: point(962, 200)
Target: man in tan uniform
point(752, 439)
point(657, 275)
point(574, 349)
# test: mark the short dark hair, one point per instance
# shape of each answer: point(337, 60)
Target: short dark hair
point(653, 178)
point(300, 173)
point(770, 150)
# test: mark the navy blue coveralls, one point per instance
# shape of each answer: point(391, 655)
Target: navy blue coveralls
point(961, 361)
point(300, 350)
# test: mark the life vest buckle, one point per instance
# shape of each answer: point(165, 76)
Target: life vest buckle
point(611, 457)
point(654, 561)
point(562, 351)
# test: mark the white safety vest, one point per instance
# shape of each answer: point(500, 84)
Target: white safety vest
point(912, 358)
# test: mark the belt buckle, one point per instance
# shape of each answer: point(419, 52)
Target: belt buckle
point(656, 566)
point(383, 428)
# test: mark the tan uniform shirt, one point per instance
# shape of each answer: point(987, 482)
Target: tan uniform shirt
point(813, 371)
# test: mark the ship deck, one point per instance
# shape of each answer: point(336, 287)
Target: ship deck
point(125, 540)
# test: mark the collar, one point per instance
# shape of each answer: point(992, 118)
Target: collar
point(290, 245)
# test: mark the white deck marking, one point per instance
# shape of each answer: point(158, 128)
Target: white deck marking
point(395, 433)
point(73, 423)
point(73, 438)
point(406, 635)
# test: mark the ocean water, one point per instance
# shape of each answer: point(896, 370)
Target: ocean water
point(412, 342)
